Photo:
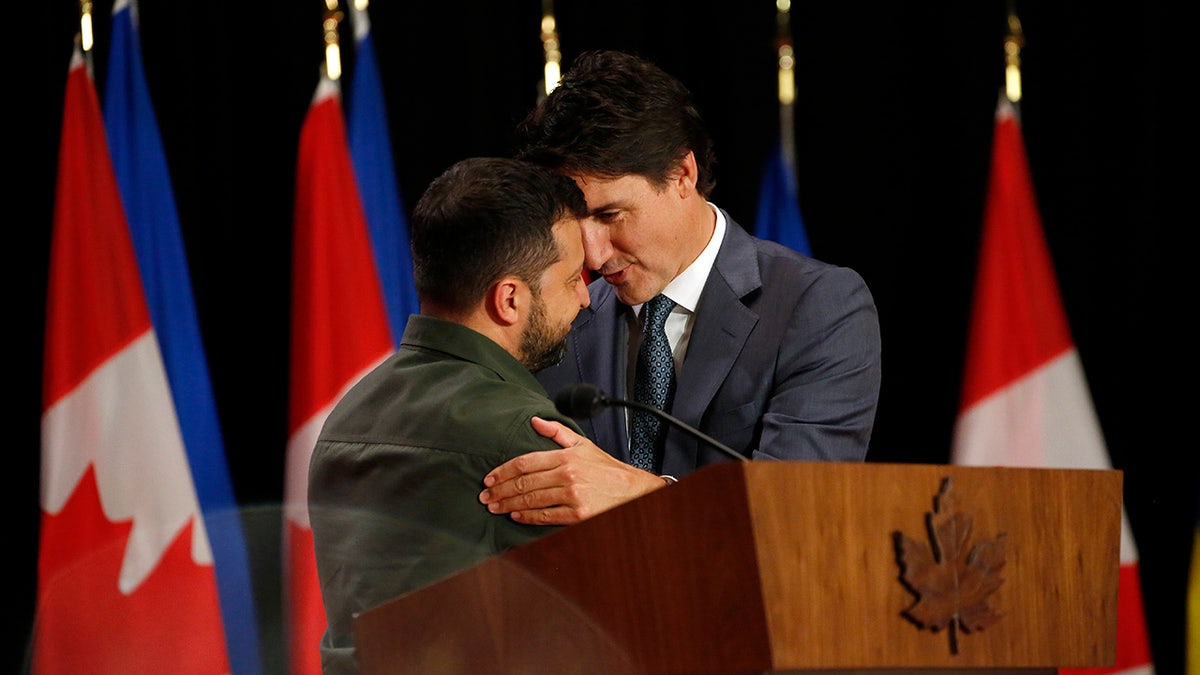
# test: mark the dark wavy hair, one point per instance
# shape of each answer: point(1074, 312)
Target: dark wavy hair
point(615, 114)
point(485, 218)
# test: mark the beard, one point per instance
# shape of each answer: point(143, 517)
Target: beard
point(542, 345)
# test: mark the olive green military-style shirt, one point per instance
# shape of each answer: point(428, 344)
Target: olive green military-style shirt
point(396, 472)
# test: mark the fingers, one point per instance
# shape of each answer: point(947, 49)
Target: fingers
point(551, 506)
point(536, 488)
point(529, 463)
point(534, 462)
point(556, 431)
point(535, 499)
point(556, 515)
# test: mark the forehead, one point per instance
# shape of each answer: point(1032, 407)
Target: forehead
point(602, 192)
point(568, 233)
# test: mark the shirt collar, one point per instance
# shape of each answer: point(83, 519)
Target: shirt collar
point(685, 289)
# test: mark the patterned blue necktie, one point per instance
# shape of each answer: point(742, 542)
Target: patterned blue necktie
point(654, 385)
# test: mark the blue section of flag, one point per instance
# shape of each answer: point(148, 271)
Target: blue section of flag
point(371, 154)
point(779, 205)
point(141, 168)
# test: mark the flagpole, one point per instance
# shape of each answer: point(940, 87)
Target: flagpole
point(1013, 41)
point(85, 36)
point(786, 62)
point(778, 218)
point(333, 50)
point(552, 70)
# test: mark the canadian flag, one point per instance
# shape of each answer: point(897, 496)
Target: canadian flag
point(125, 568)
point(339, 332)
point(1025, 401)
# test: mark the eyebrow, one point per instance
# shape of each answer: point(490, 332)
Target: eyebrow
point(609, 206)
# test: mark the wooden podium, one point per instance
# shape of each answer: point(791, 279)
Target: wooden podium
point(787, 566)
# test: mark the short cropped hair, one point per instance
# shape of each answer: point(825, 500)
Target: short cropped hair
point(483, 219)
point(615, 114)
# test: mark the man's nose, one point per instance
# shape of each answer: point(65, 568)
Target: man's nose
point(597, 247)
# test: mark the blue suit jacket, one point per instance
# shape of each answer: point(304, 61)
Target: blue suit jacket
point(783, 361)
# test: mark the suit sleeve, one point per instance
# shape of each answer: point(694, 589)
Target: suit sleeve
point(826, 388)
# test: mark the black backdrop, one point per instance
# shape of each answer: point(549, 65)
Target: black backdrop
point(893, 127)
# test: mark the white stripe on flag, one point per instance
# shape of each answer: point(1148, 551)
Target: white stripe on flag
point(121, 419)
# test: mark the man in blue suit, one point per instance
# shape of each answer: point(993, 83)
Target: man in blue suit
point(777, 355)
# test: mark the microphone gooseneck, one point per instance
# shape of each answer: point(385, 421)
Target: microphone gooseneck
point(582, 401)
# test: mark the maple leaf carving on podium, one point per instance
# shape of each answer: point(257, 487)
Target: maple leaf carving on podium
point(952, 581)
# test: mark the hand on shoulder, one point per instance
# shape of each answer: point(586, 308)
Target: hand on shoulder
point(565, 486)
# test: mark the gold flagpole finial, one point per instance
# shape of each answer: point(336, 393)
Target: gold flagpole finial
point(1013, 42)
point(333, 53)
point(553, 69)
point(786, 53)
point(786, 63)
point(85, 24)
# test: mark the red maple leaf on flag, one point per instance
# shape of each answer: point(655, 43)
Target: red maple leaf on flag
point(78, 594)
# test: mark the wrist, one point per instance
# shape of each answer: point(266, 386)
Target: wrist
point(669, 480)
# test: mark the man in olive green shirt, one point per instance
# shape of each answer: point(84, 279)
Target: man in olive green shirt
point(398, 466)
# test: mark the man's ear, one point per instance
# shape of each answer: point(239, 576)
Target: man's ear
point(506, 300)
point(686, 174)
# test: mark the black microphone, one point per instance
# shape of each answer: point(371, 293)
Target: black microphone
point(581, 401)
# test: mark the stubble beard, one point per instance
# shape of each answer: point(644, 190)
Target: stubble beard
point(542, 345)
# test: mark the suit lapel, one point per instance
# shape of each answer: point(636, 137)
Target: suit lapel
point(723, 324)
point(600, 336)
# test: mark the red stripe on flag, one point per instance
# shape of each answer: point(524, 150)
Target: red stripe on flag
point(306, 611)
point(339, 326)
point(339, 330)
point(1025, 326)
point(94, 286)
